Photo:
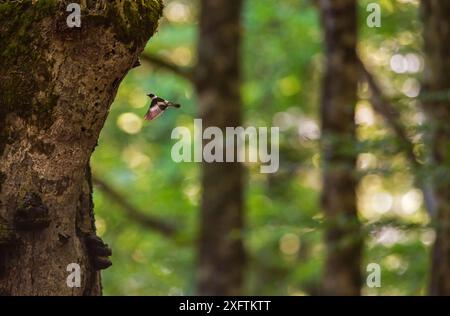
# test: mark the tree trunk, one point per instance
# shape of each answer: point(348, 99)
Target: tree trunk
point(221, 253)
point(342, 275)
point(436, 91)
point(56, 86)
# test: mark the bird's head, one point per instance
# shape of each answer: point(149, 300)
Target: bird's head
point(151, 95)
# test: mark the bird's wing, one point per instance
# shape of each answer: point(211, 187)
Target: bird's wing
point(161, 103)
point(153, 112)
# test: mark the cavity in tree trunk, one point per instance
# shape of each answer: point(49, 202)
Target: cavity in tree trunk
point(221, 253)
point(342, 274)
point(436, 103)
point(56, 86)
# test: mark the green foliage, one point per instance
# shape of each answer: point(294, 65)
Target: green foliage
point(282, 65)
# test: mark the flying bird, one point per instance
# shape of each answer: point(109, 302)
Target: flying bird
point(157, 106)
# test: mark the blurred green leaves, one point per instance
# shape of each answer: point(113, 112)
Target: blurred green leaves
point(282, 66)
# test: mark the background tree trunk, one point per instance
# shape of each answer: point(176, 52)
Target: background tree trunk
point(56, 86)
point(221, 253)
point(436, 89)
point(342, 274)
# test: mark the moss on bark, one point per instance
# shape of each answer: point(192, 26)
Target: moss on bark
point(24, 71)
point(56, 87)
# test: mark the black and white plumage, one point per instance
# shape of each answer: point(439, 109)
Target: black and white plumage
point(157, 106)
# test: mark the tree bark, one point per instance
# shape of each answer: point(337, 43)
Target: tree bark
point(436, 96)
point(342, 275)
point(56, 86)
point(221, 253)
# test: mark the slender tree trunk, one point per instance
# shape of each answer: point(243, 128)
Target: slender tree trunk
point(436, 91)
point(56, 86)
point(221, 254)
point(342, 274)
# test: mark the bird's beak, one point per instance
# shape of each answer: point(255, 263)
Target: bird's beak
point(148, 95)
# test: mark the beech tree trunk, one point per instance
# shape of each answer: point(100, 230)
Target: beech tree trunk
point(436, 92)
point(342, 274)
point(221, 253)
point(56, 86)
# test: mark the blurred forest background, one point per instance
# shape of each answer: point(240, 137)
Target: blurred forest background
point(149, 208)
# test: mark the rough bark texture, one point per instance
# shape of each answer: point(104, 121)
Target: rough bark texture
point(56, 87)
point(221, 254)
point(342, 274)
point(436, 92)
